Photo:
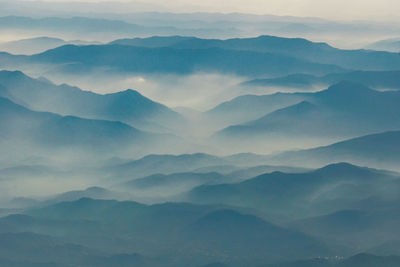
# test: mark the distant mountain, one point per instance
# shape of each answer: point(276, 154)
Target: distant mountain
point(128, 106)
point(199, 234)
point(391, 247)
point(263, 56)
point(366, 228)
point(391, 45)
point(294, 47)
point(133, 59)
point(30, 249)
point(95, 28)
point(172, 164)
point(343, 110)
point(154, 41)
point(163, 164)
point(381, 150)
point(359, 260)
point(80, 26)
point(162, 187)
point(35, 248)
point(94, 192)
point(32, 45)
point(372, 79)
point(176, 181)
point(331, 188)
point(229, 230)
point(38, 45)
point(51, 131)
point(249, 107)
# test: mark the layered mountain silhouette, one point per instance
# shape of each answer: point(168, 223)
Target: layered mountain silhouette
point(362, 227)
point(359, 260)
point(343, 110)
point(391, 45)
point(379, 150)
point(333, 187)
point(80, 26)
point(30, 249)
point(132, 59)
point(197, 230)
point(37, 45)
point(177, 182)
point(296, 47)
point(249, 107)
point(167, 164)
point(52, 131)
point(127, 106)
point(262, 56)
point(372, 79)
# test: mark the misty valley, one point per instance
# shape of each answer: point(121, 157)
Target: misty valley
point(204, 140)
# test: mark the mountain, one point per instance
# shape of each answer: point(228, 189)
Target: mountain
point(183, 181)
point(133, 59)
point(93, 192)
point(30, 249)
point(372, 79)
point(52, 131)
point(170, 187)
point(198, 234)
point(366, 228)
point(359, 260)
point(343, 111)
point(380, 150)
point(294, 195)
point(154, 41)
point(41, 249)
point(114, 26)
point(263, 56)
point(391, 45)
point(293, 47)
point(163, 164)
point(37, 45)
point(167, 164)
point(127, 106)
point(249, 107)
point(80, 26)
point(32, 45)
point(227, 230)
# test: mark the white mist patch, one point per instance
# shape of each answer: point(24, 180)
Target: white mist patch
point(200, 91)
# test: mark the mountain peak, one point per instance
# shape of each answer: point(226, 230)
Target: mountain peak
point(128, 92)
point(4, 74)
point(346, 86)
point(342, 167)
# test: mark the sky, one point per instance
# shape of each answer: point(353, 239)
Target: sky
point(330, 9)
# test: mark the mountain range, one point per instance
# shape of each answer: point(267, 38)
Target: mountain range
point(293, 47)
point(37, 45)
point(344, 110)
point(132, 59)
point(373, 79)
point(380, 150)
point(49, 131)
point(127, 106)
point(391, 45)
point(287, 196)
point(154, 229)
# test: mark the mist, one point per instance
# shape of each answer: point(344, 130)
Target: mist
point(199, 133)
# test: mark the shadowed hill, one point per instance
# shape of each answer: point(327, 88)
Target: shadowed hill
point(127, 106)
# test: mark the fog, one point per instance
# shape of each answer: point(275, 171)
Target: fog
point(355, 10)
point(200, 91)
point(197, 165)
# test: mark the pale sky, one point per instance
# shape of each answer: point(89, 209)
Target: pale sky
point(332, 9)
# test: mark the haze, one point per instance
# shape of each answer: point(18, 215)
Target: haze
point(383, 10)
